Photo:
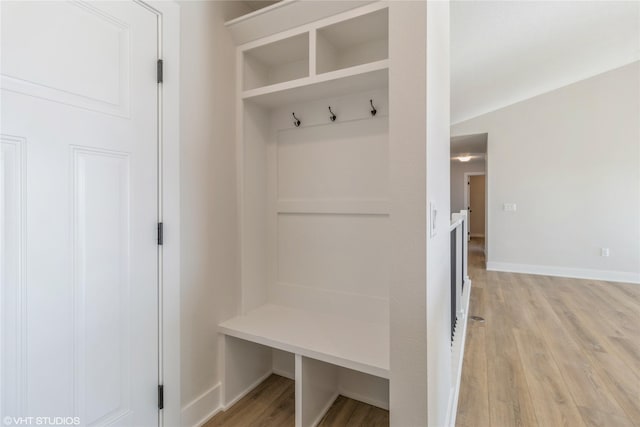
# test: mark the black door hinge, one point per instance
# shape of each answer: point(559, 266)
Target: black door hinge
point(160, 396)
point(159, 71)
point(160, 233)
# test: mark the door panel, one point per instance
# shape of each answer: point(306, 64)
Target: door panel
point(476, 204)
point(70, 52)
point(12, 274)
point(101, 186)
point(79, 212)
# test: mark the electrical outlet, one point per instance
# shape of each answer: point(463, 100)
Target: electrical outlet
point(509, 207)
point(604, 251)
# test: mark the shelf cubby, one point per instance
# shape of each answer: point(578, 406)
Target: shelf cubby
point(281, 61)
point(356, 41)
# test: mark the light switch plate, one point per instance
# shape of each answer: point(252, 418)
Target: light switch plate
point(509, 207)
point(433, 216)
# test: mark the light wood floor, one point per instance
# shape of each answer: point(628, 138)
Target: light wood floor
point(552, 352)
point(272, 404)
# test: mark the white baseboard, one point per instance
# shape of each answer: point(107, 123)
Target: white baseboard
point(325, 410)
point(369, 400)
point(202, 408)
point(247, 390)
point(576, 273)
point(284, 373)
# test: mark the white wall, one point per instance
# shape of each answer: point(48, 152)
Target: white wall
point(209, 240)
point(458, 169)
point(570, 160)
point(438, 253)
point(420, 383)
point(407, 184)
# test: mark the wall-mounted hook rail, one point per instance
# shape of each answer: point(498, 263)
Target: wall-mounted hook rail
point(296, 121)
point(373, 109)
point(332, 117)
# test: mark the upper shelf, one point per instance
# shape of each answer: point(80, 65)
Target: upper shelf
point(280, 61)
point(285, 15)
point(347, 53)
point(359, 40)
point(350, 80)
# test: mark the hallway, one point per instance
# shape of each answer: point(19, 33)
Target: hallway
point(552, 351)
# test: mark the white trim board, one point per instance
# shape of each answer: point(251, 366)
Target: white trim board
point(467, 175)
point(467, 202)
point(168, 13)
point(325, 409)
point(202, 408)
point(458, 346)
point(369, 400)
point(576, 273)
point(246, 391)
point(285, 17)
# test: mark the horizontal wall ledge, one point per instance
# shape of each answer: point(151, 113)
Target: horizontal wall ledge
point(334, 206)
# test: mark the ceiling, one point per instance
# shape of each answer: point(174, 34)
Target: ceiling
point(503, 52)
point(473, 146)
point(476, 143)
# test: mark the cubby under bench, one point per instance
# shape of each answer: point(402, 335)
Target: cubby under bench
point(325, 354)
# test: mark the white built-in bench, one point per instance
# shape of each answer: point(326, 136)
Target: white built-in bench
point(353, 344)
point(325, 354)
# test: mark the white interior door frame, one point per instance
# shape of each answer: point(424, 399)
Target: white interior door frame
point(168, 13)
point(467, 201)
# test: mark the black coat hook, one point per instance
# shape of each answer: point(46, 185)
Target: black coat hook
point(296, 121)
point(373, 109)
point(332, 117)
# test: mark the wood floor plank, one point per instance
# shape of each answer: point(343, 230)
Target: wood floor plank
point(377, 417)
point(612, 313)
point(594, 417)
point(509, 400)
point(552, 401)
point(615, 362)
point(622, 315)
point(358, 416)
point(623, 384)
point(574, 321)
point(474, 398)
point(588, 388)
point(601, 331)
point(348, 412)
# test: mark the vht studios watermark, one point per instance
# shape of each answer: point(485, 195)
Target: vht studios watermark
point(41, 421)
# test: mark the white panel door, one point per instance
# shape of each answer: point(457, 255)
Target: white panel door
point(78, 206)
